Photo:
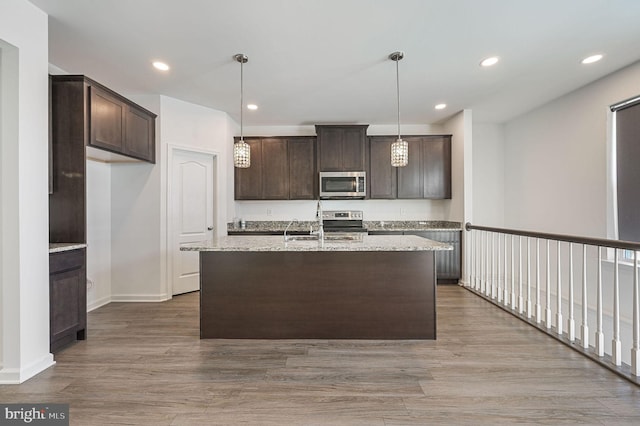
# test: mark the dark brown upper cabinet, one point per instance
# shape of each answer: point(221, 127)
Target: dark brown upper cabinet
point(303, 178)
point(428, 174)
point(112, 122)
point(342, 148)
point(120, 126)
point(382, 176)
point(281, 169)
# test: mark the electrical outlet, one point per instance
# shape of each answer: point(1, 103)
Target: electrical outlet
point(268, 212)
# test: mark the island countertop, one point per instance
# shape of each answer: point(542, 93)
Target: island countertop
point(275, 243)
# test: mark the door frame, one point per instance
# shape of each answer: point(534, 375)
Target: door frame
point(217, 212)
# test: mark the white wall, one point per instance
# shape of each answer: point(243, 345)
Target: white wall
point(98, 234)
point(488, 174)
point(24, 257)
point(556, 159)
point(557, 180)
point(127, 216)
point(137, 251)
point(194, 127)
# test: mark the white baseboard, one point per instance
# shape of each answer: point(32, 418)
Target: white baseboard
point(98, 303)
point(15, 376)
point(140, 297)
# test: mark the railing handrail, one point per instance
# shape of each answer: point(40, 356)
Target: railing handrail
point(602, 242)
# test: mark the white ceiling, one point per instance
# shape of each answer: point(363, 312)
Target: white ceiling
point(326, 61)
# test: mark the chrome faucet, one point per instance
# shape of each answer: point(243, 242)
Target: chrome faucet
point(320, 231)
point(286, 237)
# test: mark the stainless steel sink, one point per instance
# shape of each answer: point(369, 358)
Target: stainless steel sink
point(288, 238)
point(342, 238)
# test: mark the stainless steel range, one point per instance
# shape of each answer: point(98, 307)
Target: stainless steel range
point(343, 225)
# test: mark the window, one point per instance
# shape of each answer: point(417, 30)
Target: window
point(626, 118)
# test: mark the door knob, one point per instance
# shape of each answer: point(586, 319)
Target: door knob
point(210, 228)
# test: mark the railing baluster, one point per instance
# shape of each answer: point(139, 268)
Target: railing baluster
point(616, 355)
point(538, 307)
point(571, 323)
point(520, 298)
point(498, 252)
point(547, 309)
point(482, 255)
point(528, 277)
point(599, 332)
point(513, 275)
point(506, 282)
point(493, 265)
point(487, 282)
point(478, 257)
point(635, 350)
point(585, 308)
point(559, 294)
point(469, 257)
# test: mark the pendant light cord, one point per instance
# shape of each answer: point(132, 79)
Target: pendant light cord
point(241, 96)
point(398, 92)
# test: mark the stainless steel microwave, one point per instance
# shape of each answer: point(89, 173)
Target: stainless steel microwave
point(342, 185)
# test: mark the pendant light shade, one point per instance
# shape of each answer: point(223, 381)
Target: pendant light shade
point(241, 154)
point(241, 150)
point(399, 153)
point(400, 148)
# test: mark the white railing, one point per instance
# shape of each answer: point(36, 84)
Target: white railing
point(555, 281)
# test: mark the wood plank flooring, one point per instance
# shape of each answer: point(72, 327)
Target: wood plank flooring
point(144, 364)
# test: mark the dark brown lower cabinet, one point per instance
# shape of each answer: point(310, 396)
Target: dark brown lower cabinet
point(67, 298)
point(448, 263)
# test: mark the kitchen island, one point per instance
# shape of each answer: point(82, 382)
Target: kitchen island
point(377, 287)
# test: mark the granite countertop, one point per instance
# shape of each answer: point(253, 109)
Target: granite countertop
point(412, 225)
point(276, 243)
point(374, 225)
point(58, 247)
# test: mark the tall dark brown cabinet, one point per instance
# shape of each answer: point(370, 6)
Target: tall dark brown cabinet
point(82, 113)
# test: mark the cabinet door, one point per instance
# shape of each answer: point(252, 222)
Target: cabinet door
point(275, 169)
point(436, 158)
point(67, 298)
point(139, 134)
point(353, 149)
point(382, 176)
point(248, 182)
point(330, 141)
point(448, 266)
point(302, 169)
point(342, 148)
point(410, 177)
point(107, 120)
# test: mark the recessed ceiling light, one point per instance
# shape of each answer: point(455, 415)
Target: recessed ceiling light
point(487, 62)
point(591, 59)
point(161, 66)
point(252, 107)
point(441, 106)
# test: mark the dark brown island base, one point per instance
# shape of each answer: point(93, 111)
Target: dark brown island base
point(382, 287)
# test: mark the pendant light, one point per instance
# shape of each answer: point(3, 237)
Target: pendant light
point(400, 148)
point(241, 150)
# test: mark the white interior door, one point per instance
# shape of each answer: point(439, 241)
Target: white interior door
point(192, 214)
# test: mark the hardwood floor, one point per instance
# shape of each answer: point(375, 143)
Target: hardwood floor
point(144, 364)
